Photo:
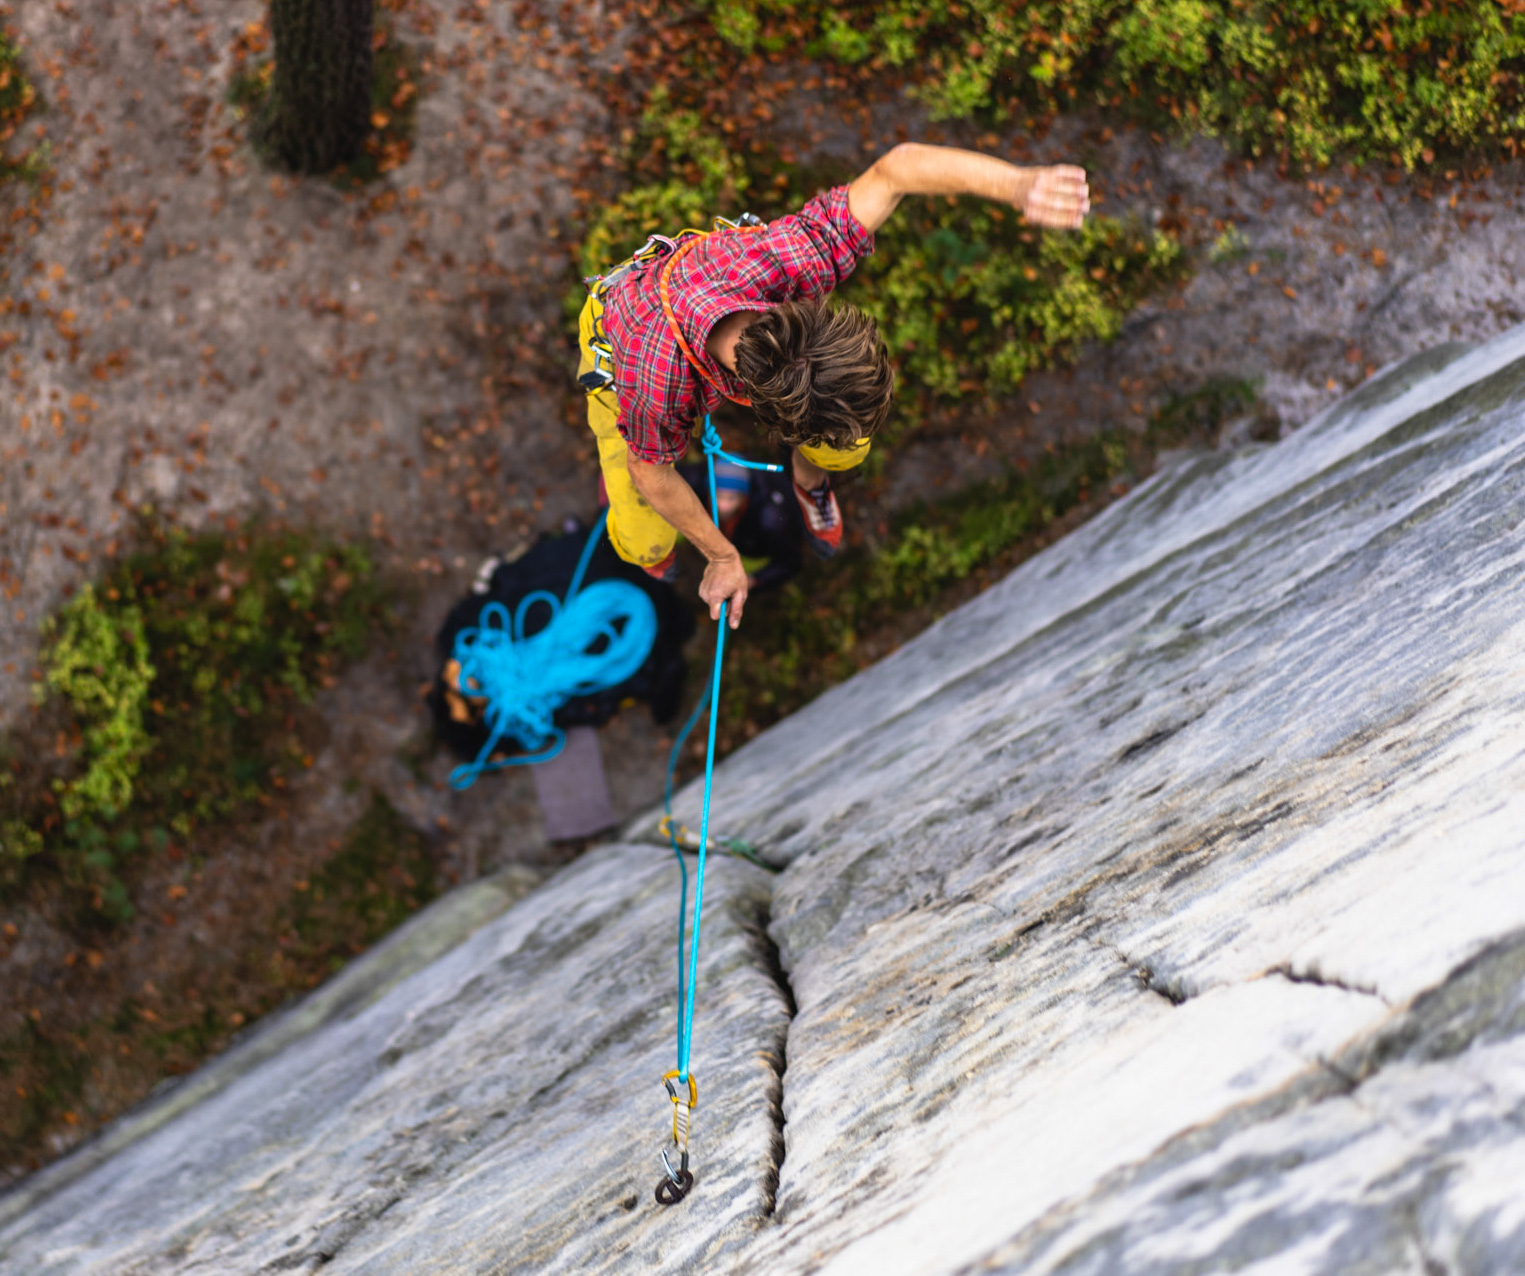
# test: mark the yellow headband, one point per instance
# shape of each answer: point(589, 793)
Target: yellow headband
point(836, 459)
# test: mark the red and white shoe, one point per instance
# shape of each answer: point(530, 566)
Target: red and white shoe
point(823, 518)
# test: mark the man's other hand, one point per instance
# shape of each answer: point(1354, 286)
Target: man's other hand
point(1059, 199)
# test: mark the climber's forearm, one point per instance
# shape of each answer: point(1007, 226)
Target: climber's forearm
point(666, 492)
point(1054, 196)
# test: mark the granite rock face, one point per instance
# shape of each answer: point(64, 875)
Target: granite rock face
point(1163, 910)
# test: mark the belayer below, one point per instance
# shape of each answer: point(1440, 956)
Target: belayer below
point(758, 514)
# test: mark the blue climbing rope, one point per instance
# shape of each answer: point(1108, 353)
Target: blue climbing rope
point(713, 447)
point(680, 1084)
point(595, 639)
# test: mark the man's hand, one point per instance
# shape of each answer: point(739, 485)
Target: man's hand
point(725, 580)
point(1059, 198)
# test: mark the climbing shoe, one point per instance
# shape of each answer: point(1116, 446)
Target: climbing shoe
point(823, 518)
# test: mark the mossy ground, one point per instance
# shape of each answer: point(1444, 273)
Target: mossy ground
point(175, 704)
point(59, 1073)
point(173, 687)
point(19, 100)
point(1310, 81)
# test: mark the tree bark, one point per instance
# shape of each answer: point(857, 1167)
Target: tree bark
point(319, 112)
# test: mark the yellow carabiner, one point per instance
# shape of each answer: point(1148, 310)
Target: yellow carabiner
point(672, 1090)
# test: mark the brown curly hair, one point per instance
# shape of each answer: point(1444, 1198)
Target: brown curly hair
point(816, 374)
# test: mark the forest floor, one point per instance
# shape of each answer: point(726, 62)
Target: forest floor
point(187, 331)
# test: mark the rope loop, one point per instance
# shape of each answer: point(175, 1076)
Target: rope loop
point(594, 639)
point(713, 447)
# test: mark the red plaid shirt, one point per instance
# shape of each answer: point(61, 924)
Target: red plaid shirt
point(661, 398)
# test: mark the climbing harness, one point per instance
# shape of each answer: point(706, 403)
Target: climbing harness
point(595, 639)
point(680, 1085)
point(600, 375)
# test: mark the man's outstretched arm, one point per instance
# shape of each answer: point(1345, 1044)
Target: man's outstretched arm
point(1056, 196)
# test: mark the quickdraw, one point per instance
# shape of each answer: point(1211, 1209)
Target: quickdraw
point(674, 1187)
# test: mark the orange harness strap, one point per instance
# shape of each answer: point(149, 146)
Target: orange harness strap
point(664, 288)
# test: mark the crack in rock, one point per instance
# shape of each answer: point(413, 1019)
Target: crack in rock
point(1173, 990)
point(1312, 975)
point(776, 1055)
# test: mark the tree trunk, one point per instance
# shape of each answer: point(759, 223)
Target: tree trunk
point(319, 111)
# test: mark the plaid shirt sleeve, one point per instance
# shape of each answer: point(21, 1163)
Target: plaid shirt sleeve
point(802, 256)
point(815, 249)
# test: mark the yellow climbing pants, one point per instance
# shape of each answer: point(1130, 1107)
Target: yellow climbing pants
point(638, 533)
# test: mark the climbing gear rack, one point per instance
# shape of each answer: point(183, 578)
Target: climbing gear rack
point(600, 373)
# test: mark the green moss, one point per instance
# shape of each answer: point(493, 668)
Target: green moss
point(818, 632)
point(19, 100)
point(970, 300)
point(177, 676)
point(45, 1074)
point(1310, 79)
point(98, 662)
point(683, 176)
point(382, 876)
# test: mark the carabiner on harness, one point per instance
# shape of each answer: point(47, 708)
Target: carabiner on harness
point(676, 1181)
point(601, 374)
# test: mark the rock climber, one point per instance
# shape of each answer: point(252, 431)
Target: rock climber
point(740, 314)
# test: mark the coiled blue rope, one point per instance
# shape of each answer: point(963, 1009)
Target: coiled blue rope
point(713, 447)
point(595, 639)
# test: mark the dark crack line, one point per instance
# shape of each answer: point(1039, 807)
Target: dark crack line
point(1317, 978)
point(777, 1057)
point(1148, 978)
point(1432, 1265)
